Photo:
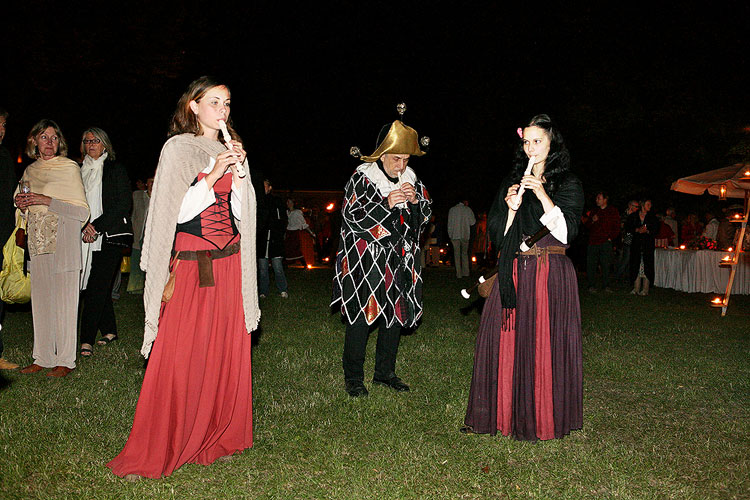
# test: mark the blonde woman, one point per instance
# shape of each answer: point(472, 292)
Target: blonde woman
point(55, 209)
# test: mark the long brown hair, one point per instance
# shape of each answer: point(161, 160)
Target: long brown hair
point(184, 120)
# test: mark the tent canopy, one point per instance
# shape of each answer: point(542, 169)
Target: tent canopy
point(736, 179)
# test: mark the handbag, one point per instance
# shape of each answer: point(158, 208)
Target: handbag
point(485, 288)
point(121, 235)
point(15, 285)
point(166, 295)
point(20, 237)
point(123, 240)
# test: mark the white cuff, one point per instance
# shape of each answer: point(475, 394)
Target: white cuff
point(554, 220)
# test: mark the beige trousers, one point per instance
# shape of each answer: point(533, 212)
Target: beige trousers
point(54, 305)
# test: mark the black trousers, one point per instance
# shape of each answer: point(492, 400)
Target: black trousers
point(98, 312)
point(355, 345)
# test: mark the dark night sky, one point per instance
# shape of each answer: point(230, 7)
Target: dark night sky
point(641, 96)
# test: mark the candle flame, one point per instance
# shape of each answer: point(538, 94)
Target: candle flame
point(309, 266)
point(682, 247)
point(717, 300)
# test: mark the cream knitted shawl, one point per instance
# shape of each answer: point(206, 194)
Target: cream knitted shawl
point(182, 158)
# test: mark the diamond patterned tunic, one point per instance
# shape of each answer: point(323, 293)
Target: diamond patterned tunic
point(378, 270)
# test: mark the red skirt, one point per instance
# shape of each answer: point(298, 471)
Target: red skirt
point(196, 400)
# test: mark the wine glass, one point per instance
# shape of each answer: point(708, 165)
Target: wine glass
point(24, 187)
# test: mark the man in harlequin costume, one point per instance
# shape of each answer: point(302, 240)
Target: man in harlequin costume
point(378, 280)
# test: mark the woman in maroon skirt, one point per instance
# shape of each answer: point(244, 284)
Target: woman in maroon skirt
point(528, 374)
point(196, 400)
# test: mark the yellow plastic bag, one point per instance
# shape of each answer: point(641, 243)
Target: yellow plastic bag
point(125, 264)
point(15, 286)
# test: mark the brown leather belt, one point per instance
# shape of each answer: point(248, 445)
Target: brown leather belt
point(537, 251)
point(204, 258)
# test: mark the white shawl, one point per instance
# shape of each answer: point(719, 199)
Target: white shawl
point(91, 174)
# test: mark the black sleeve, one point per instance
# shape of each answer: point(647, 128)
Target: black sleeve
point(498, 215)
point(569, 198)
point(630, 223)
point(652, 224)
point(117, 200)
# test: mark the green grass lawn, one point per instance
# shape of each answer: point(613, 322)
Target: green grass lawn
point(665, 412)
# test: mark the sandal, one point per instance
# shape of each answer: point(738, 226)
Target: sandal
point(107, 339)
point(86, 350)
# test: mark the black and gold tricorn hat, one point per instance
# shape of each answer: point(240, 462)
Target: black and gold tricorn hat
point(395, 138)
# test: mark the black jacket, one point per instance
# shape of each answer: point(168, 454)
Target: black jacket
point(117, 200)
point(272, 222)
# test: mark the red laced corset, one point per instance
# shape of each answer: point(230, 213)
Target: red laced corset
point(216, 221)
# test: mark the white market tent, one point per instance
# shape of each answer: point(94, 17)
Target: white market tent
point(726, 182)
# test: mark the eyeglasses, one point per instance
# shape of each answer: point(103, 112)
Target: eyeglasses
point(92, 141)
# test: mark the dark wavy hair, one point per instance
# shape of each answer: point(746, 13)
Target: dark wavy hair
point(557, 165)
point(184, 120)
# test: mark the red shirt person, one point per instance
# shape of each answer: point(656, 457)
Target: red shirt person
point(603, 223)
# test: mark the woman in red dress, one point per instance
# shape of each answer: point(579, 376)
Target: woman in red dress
point(196, 400)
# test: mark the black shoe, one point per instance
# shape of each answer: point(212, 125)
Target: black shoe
point(394, 383)
point(356, 388)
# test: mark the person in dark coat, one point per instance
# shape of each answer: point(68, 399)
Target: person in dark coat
point(7, 222)
point(272, 221)
point(644, 225)
point(110, 200)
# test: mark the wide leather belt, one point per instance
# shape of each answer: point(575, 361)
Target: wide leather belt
point(204, 258)
point(537, 251)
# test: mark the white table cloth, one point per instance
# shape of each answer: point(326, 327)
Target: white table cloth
point(699, 271)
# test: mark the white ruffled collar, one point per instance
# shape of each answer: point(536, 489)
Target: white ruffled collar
point(373, 172)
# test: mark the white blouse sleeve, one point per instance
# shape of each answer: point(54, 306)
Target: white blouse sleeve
point(554, 220)
point(198, 198)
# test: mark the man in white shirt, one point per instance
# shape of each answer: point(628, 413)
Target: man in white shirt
point(460, 220)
